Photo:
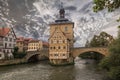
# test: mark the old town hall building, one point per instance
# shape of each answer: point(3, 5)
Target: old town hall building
point(61, 40)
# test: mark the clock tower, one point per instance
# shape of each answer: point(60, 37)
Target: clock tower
point(61, 40)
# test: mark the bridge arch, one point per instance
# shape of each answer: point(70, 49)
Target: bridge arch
point(36, 55)
point(100, 50)
point(91, 55)
point(32, 57)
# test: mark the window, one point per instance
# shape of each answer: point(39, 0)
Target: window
point(1, 44)
point(9, 45)
point(60, 41)
point(64, 47)
point(63, 41)
point(54, 47)
point(51, 55)
point(63, 54)
point(55, 41)
point(5, 45)
point(10, 39)
point(7, 51)
point(50, 47)
point(66, 28)
point(59, 47)
point(55, 54)
point(6, 39)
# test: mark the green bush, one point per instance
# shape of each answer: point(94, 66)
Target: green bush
point(104, 64)
point(20, 55)
point(112, 62)
point(114, 73)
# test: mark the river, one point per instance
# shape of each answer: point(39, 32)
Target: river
point(82, 70)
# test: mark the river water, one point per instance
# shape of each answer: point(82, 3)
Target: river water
point(82, 70)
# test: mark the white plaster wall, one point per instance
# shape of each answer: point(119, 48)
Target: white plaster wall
point(2, 55)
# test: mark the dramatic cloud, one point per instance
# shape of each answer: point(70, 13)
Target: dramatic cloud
point(32, 18)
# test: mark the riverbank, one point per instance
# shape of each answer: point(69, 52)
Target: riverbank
point(12, 62)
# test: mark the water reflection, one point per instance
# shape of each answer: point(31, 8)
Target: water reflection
point(43, 71)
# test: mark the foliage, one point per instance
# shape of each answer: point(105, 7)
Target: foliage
point(16, 49)
point(18, 54)
point(111, 5)
point(115, 47)
point(114, 73)
point(119, 32)
point(112, 62)
point(104, 64)
point(102, 40)
point(87, 44)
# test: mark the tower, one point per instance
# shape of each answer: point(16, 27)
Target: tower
point(61, 40)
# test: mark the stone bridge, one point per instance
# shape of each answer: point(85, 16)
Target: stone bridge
point(41, 55)
point(102, 50)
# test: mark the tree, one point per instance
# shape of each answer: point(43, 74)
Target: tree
point(119, 32)
point(111, 5)
point(18, 54)
point(102, 40)
point(112, 62)
point(87, 44)
point(114, 73)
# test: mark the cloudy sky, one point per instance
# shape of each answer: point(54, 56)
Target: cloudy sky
point(31, 18)
point(87, 23)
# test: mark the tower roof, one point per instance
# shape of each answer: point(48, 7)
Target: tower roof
point(61, 19)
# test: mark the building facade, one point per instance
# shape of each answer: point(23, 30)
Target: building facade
point(22, 43)
point(61, 40)
point(7, 42)
point(35, 45)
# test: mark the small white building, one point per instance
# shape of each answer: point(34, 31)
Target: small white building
point(7, 42)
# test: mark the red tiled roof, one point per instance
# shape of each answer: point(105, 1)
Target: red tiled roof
point(26, 40)
point(46, 44)
point(4, 31)
point(34, 40)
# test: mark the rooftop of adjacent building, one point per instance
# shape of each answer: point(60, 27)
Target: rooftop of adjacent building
point(20, 39)
point(34, 41)
point(4, 31)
